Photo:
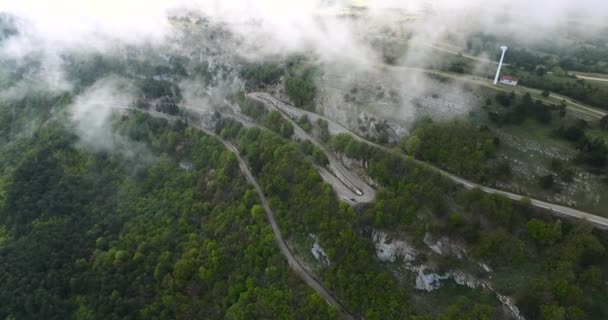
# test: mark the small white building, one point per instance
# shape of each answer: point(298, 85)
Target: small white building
point(508, 80)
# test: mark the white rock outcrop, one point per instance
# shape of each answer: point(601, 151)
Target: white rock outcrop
point(388, 250)
point(445, 246)
point(318, 252)
point(508, 302)
point(428, 281)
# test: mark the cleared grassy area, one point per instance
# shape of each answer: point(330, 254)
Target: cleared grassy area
point(533, 131)
point(530, 147)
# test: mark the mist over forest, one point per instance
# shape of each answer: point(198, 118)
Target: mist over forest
point(322, 159)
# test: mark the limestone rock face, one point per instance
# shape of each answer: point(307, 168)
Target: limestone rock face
point(429, 281)
point(427, 278)
point(318, 252)
point(388, 250)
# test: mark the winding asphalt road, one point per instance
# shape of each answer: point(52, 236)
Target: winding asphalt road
point(350, 186)
point(347, 185)
point(335, 127)
point(293, 261)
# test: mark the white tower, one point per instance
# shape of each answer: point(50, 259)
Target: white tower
point(502, 58)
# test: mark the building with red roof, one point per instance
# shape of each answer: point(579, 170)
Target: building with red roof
point(508, 80)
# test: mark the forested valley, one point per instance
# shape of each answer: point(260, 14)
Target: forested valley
point(117, 201)
point(172, 233)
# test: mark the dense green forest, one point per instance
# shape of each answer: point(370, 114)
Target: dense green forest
point(163, 225)
point(456, 146)
point(511, 237)
point(100, 235)
point(561, 263)
point(88, 234)
point(517, 109)
point(303, 205)
point(298, 73)
point(175, 232)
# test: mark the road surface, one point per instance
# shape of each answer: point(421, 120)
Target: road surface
point(555, 209)
point(598, 221)
point(488, 83)
point(589, 77)
point(571, 104)
point(349, 185)
point(293, 261)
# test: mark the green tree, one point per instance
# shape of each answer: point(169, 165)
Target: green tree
point(257, 212)
point(592, 277)
point(301, 91)
point(546, 182)
point(604, 122)
point(412, 145)
point(543, 233)
point(562, 109)
point(501, 247)
point(552, 312)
